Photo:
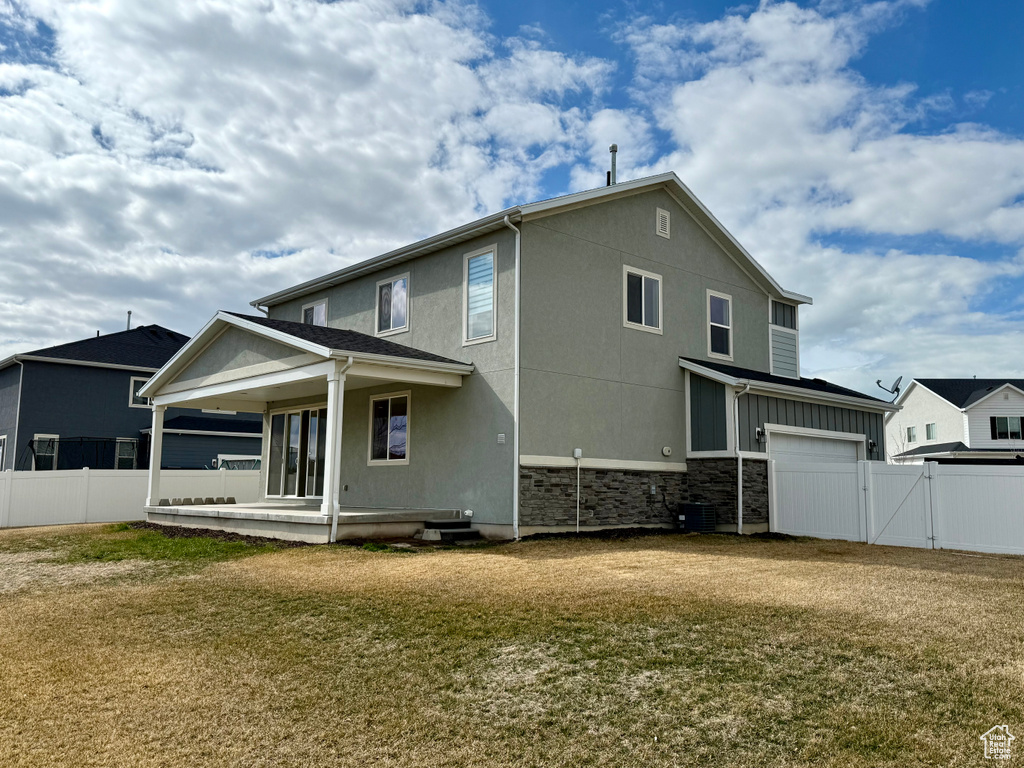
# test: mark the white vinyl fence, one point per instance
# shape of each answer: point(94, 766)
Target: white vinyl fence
point(935, 506)
point(108, 495)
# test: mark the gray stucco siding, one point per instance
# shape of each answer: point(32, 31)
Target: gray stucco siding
point(238, 353)
point(587, 380)
point(10, 378)
point(758, 410)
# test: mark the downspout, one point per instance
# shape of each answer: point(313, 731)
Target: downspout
point(258, 308)
point(739, 459)
point(13, 449)
point(515, 391)
point(336, 506)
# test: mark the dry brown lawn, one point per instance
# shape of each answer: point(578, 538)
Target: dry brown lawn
point(663, 650)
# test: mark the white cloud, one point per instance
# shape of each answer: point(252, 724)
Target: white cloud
point(778, 133)
point(170, 142)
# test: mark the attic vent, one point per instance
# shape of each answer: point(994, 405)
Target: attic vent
point(663, 224)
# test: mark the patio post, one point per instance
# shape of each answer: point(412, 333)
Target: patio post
point(332, 468)
point(156, 445)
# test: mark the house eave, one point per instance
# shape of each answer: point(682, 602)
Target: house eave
point(782, 390)
point(65, 361)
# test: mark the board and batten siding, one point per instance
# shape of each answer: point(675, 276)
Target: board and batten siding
point(707, 415)
point(758, 410)
point(784, 353)
point(1008, 402)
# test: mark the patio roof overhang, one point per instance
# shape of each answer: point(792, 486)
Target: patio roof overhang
point(314, 355)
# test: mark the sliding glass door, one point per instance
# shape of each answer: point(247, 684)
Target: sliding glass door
point(298, 441)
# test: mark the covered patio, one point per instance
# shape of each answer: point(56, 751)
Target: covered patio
point(296, 376)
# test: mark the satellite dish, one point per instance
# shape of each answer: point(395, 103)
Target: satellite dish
point(894, 390)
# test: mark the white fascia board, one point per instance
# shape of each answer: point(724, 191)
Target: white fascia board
point(212, 329)
point(278, 378)
point(916, 383)
point(993, 392)
point(789, 392)
point(451, 237)
point(405, 362)
point(85, 363)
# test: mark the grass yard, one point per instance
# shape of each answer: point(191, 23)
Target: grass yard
point(124, 647)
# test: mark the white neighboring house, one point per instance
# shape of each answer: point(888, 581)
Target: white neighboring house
point(956, 420)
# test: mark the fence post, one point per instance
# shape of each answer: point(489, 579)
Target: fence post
point(84, 515)
point(771, 495)
point(223, 481)
point(864, 480)
point(5, 511)
point(931, 471)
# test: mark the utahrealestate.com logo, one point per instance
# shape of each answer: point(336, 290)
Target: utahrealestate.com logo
point(997, 742)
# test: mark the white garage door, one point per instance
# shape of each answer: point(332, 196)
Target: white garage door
point(802, 449)
point(815, 487)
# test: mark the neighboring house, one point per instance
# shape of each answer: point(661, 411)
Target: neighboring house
point(78, 405)
point(618, 335)
point(958, 420)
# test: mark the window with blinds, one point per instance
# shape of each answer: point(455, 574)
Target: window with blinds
point(479, 297)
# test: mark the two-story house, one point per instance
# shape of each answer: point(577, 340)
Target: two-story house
point(78, 405)
point(593, 359)
point(958, 420)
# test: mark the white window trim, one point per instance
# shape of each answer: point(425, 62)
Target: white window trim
point(3, 452)
point(934, 431)
point(731, 327)
point(131, 393)
point(912, 434)
point(270, 417)
point(302, 314)
point(627, 270)
point(56, 447)
point(135, 453)
point(667, 234)
point(371, 462)
point(376, 306)
point(466, 341)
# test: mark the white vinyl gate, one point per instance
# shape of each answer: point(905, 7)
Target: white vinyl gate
point(940, 506)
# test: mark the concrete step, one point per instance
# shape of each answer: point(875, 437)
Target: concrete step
point(442, 525)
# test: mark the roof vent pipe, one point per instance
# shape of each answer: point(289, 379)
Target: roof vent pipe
point(129, 321)
point(613, 149)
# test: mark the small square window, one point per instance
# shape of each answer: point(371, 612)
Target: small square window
point(641, 300)
point(393, 305)
point(719, 325)
point(315, 314)
point(911, 434)
point(929, 431)
point(389, 429)
point(135, 400)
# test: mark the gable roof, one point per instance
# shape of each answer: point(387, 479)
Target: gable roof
point(147, 347)
point(517, 213)
point(318, 340)
point(342, 340)
point(782, 386)
point(963, 393)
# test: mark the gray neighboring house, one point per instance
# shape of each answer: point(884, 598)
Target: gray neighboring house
point(78, 405)
point(620, 336)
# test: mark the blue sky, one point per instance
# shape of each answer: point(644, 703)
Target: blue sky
point(177, 158)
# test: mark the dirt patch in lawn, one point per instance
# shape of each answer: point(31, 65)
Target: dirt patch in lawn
point(41, 570)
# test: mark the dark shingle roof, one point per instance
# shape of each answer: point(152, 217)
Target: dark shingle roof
point(148, 346)
point(812, 385)
point(936, 448)
point(345, 340)
point(965, 392)
point(215, 424)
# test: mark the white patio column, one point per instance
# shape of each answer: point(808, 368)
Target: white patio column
point(332, 467)
point(156, 445)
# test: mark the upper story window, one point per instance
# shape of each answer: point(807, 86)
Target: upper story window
point(911, 434)
point(135, 400)
point(478, 320)
point(783, 315)
point(719, 325)
point(393, 305)
point(641, 299)
point(315, 313)
point(389, 429)
point(930, 431)
point(1005, 427)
